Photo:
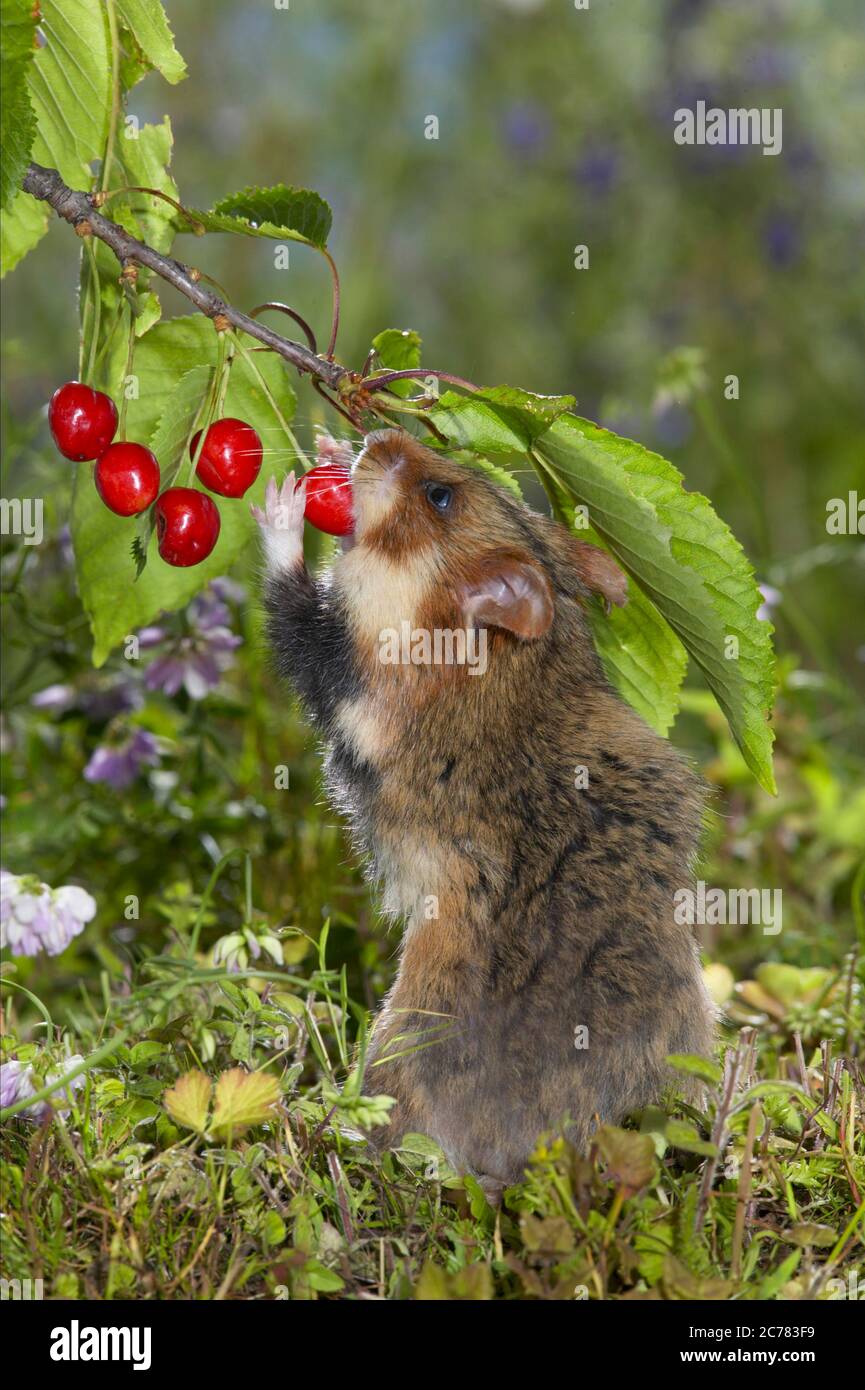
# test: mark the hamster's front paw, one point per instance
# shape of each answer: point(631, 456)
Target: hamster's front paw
point(281, 523)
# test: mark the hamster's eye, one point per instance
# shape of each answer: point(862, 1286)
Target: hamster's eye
point(439, 495)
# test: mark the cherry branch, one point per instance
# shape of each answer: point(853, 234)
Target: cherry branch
point(78, 209)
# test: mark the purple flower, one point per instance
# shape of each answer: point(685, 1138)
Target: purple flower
point(119, 764)
point(35, 918)
point(197, 659)
point(16, 1083)
point(99, 702)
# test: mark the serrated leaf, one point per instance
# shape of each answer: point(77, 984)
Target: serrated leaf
point(145, 162)
point(499, 419)
point(642, 657)
point(147, 21)
point(687, 561)
point(188, 1101)
point(243, 1099)
point(17, 118)
point(493, 471)
point(280, 212)
point(115, 605)
point(69, 81)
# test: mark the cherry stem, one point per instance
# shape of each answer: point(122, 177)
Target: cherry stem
point(336, 298)
point(209, 403)
point(96, 300)
point(253, 367)
point(336, 405)
point(417, 374)
point(102, 198)
point(127, 371)
point(292, 313)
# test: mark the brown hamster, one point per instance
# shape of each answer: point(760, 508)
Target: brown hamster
point(543, 979)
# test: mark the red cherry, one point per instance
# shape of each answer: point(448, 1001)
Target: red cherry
point(82, 421)
point(230, 457)
point(328, 498)
point(187, 525)
point(127, 478)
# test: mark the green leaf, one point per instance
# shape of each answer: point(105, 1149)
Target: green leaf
point(147, 22)
point(17, 118)
point(687, 561)
point(23, 226)
point(501, 419)
point(142, 161)
point(69, 81)
point(642, 657)
point(687, 1137)
point(641, 654)
point(280, 212)
point(398, 350)
point(115, 604)
point(145, 162)
point(691, 1065)
point(494, 471)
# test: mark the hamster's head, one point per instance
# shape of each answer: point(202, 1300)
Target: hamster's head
point(437, 544)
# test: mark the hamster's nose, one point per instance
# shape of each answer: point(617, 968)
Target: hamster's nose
point(386, 447)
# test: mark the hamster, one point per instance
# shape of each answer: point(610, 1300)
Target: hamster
point(526, 825)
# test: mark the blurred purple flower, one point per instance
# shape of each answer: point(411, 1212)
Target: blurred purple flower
point(597, 169)
point(673, 424)
point(34, 918)
point(55, 698)
point(771, 599)
point(525, 128)
point(98, 702)
point(767, 64)
point(781, 240)
point(197, 659)
point(119, 764)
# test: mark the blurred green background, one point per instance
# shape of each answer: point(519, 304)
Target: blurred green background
point(555, 130)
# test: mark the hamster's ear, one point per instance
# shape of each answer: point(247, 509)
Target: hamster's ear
point(600, 573)
point(510, 593)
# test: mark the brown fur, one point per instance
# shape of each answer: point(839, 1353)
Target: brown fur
point(530, 907)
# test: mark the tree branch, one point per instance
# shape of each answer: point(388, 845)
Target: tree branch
point(78, 208)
